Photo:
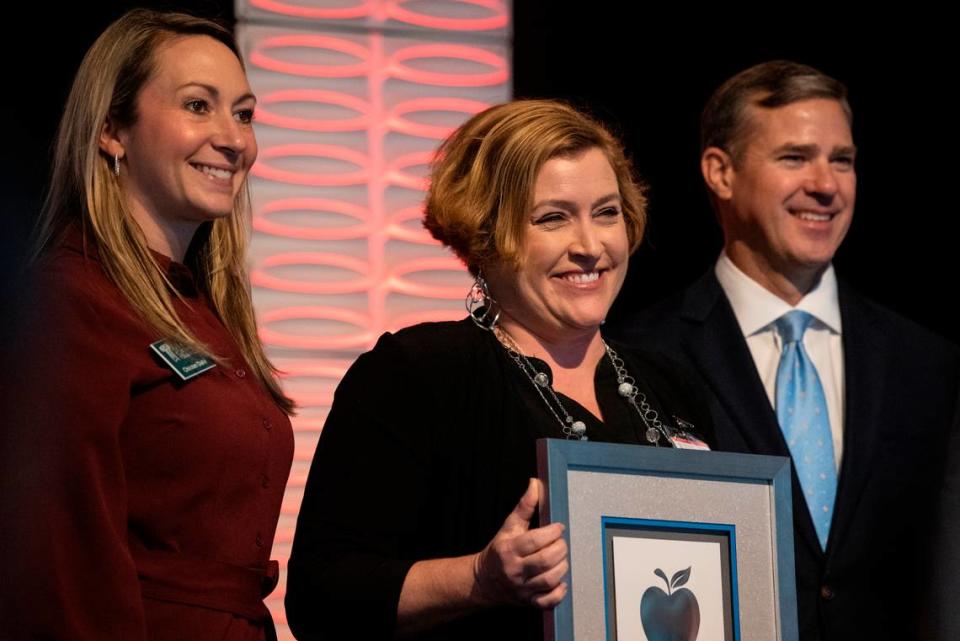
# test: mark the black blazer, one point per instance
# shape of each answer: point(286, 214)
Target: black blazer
point(901, 385)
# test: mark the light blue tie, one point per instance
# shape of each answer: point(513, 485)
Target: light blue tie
point(802, 413)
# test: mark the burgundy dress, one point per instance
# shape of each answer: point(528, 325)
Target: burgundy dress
point(135, 505)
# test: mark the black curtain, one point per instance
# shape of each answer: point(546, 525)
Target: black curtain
point(648, 72)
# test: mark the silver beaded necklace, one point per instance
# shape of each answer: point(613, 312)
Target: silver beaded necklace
point(628, 390)
point(572, 429)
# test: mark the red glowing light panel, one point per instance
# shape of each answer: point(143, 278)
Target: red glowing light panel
point(347, 123)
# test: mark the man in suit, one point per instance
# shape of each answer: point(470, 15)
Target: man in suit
point(795, 363)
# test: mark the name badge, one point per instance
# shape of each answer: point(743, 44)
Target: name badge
point(185, 362)
point(683, 438)
point(683, 441)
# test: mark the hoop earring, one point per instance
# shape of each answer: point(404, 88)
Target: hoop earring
point(483, 308)
point(116, 165)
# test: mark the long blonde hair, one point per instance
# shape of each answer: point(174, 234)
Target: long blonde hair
point(84, 192)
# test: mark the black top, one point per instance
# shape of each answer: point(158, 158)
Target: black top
point(426, 450)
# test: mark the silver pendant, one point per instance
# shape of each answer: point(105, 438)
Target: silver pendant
point(653, 435)
point(541, 379)
point(579, 428)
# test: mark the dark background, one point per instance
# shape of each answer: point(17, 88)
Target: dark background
point(647, 74)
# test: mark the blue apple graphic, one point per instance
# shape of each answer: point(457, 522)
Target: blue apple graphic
point(673, 615)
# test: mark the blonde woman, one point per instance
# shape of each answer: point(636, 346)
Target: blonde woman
point(148, 442)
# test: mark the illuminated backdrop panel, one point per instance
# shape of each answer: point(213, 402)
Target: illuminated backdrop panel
point(353, 99)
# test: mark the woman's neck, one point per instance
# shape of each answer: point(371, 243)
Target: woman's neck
point(572, 359)
point(569, 351)
point(170, 237)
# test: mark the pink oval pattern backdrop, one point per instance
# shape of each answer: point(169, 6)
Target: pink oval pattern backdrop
point(353, 99)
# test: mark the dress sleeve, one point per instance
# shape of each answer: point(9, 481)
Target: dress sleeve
point(66, 568)
point(364, 500)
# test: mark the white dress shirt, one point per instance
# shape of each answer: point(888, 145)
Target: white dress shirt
point(756, 309)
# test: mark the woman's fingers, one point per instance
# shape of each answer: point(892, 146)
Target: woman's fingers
point(519, 519)
point(534, 540)
point(530, 553)
point(548, 600)
point(521, 564)
point(545, 557)
point(548, 580)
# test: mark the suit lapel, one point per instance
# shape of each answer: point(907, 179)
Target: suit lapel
point(715, 344)
point(864, 381)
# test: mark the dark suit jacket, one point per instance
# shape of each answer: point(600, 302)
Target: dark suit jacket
point(942, 615)
point(901, 386)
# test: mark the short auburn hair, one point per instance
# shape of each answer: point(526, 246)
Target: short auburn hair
point(483, 177)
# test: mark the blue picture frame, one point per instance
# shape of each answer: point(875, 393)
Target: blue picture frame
point(557, 458)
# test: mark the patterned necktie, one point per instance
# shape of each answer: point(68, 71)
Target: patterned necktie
point(802, 413)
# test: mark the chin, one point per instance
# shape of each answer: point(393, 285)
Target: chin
point(213, 204)
point(814, 259)
point(213, 211)
point(585, 322)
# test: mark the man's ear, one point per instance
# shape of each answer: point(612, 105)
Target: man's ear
point(110, 142)
point(717, 168)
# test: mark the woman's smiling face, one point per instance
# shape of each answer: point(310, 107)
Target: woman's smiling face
point(189, 150)
point(575, 250)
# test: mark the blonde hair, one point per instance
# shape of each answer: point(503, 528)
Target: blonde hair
point(84, 191)
point(482, 180)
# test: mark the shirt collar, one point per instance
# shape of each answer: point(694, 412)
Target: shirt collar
point(177, 274)
point(756, 308)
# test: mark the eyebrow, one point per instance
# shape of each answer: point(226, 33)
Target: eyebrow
point(570, 205)
point(810, 150)
point(216, 92)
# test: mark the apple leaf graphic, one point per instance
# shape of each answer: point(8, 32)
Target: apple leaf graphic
point(663, 576)
point(680, 578)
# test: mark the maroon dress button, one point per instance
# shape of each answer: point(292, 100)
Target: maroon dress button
point(826, 592)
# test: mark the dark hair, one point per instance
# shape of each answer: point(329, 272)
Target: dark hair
point(483, 177)
point(725, 121)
